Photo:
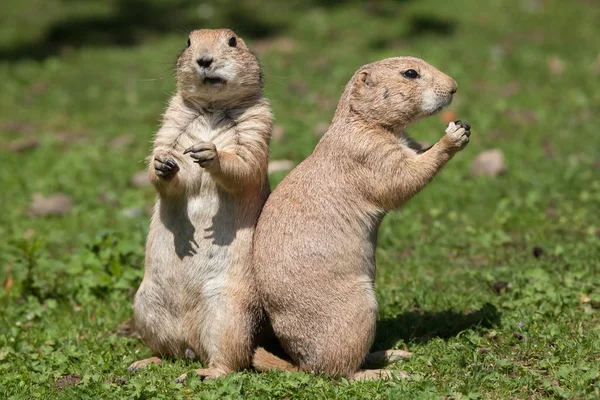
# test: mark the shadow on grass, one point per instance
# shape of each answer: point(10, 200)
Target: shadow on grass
point(131, 21)
point(423, 326)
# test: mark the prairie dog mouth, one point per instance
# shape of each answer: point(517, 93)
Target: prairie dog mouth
point(214, 81)
point(432, 104)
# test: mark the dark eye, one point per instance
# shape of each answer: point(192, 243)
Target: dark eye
point(233, 42)
point(411, 74)
point(189, 42)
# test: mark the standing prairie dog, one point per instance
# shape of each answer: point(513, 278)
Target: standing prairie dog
point(314, 245)
point(209, 166)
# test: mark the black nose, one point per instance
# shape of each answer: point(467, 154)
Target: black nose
point(204, 61)
point(453, 90)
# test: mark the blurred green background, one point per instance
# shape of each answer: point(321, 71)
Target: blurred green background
point(491, 280)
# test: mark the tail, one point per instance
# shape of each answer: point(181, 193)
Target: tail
point(265, 361)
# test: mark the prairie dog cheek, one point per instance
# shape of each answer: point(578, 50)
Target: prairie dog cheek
point(228, 71)
point(429, 102)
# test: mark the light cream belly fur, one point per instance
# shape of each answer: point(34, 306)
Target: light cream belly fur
point(189, 290)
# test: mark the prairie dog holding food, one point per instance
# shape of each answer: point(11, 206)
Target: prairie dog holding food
point(314, 245)
point(209, 166)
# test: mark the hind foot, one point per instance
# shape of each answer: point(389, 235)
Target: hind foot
point(136, 366)
point(378, 374)
point(203, 373)
point(379, 359)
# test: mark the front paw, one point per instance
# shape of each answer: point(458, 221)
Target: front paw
point(204, 153)
point(165, 166)
point(457, 134)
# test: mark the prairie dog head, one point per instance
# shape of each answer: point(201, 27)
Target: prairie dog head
point(398, 91)
point(217, 65)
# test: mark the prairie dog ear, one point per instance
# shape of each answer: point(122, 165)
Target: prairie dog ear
point(366, 78)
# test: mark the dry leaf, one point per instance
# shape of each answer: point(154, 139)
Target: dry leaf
point(448, 116)
point(583, 298)
point(67, 381)
point(8, 281)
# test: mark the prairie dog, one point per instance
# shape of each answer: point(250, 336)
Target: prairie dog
point(209, 166)
point(314, 245)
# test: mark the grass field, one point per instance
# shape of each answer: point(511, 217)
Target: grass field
point(84, 84)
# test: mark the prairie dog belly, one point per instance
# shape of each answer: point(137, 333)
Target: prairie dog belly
point(197, 232)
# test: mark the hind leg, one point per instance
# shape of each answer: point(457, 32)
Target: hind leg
point(141, 364)
point(335, 341)
point(157, 326)
point(230, 338)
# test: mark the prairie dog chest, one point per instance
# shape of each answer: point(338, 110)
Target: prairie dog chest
point(214, 126)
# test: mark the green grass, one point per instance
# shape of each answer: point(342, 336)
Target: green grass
point(77, 74)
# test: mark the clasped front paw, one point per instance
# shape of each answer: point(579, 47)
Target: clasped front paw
point(165, 166)
point(204, 154)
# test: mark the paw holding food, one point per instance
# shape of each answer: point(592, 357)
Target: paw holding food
point(458, 132)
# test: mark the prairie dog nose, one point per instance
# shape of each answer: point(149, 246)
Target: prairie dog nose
point(204, 61)
point(454, 89)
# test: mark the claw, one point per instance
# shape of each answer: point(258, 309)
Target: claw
point(462, 124)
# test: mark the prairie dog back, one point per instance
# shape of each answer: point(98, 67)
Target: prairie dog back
point(314, 248)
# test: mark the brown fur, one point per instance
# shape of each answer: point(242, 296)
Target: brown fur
point(314, 246)
point(209, 166)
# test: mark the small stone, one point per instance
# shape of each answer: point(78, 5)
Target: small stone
point(121, 141)
point(556, 66)
point(23, 145)
point(280, 165)
point(511, 89)
point(321, 128)
point(55, 204)
point(140, 179)
point(278, 133)
point(132, 212)
point(551, 213)
point(279, 44)
point(489, 163)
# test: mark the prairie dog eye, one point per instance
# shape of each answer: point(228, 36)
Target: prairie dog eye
point(233, 42)
point(411, 74)
point(189, 42)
